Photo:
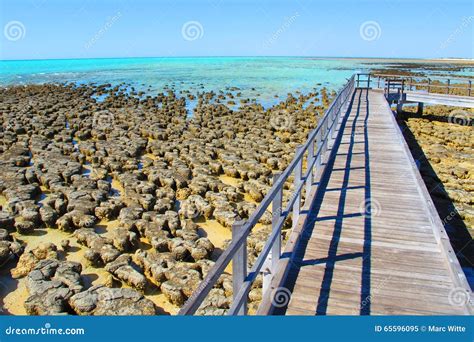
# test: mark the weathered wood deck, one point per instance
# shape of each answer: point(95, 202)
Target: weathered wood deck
point(371, 241)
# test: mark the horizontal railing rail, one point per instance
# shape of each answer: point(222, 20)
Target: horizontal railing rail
point(314, 149)
point(433, 77)
point(427, 83)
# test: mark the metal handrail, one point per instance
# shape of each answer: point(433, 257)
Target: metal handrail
point(411, 82)
point(421, 76)
point(236, 252)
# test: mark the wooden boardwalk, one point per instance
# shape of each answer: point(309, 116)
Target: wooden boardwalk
point(366, 241)
point(371, 242)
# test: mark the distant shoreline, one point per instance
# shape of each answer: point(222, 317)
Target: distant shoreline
point(404, 60)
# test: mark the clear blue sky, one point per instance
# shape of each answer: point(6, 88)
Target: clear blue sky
point(128, 28)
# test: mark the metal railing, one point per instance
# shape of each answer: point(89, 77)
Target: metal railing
point(313, 150)
point(429, 84)
point(359, 80)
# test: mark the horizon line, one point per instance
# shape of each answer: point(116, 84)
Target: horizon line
point(244, 56)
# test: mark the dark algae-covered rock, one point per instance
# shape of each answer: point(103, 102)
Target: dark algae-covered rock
point(121, 205)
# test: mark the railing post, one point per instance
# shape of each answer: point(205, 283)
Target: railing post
point(324, 129)
point(400, 97)
point(419, 110)
point(239, 265)
point(297, 182)
point(336, 118)
point(309, 161)
point(333, 123)
point(469, 91)
point(447, 88)
point(358, 75)
point(368, 81)
point(276, 214)
point(319, 143)
point(270, 264)
point(429, 84)
point(333, 113)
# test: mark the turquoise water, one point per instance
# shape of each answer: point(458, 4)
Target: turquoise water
point(257, 77)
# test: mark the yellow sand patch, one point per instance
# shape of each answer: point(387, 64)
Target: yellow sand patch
point(149, 156)
point(230, 180)
point(105, 228)
point(214, 231)
point(235, 182)
point(159, 299)
point(3, 201)
point(16, 295)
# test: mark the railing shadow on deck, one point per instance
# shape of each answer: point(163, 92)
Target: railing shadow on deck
point(458, 233)
point(298, 262)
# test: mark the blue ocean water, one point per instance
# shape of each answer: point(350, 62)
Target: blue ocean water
point(256, 77)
